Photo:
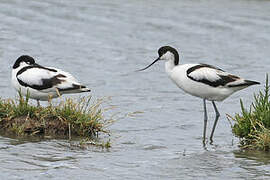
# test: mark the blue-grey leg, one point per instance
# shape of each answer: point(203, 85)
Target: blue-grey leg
point(205, 120)
point(38, 103)
point(69, 131)
point(216, 120)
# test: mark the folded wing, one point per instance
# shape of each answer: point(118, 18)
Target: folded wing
point(212, 76)
point(49, 79)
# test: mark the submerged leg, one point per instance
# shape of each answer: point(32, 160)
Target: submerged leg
point(38, 103)
point(69, 132)
point(216, 120)
point(205, 120)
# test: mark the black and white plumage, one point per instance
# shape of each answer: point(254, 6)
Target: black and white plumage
point(42, 82)
point(201, 80)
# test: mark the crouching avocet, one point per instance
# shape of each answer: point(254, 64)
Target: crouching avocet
point(42, 83)
point(201, 80)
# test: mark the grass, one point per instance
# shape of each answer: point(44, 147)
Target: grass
point(253, 126)
point(83, 118)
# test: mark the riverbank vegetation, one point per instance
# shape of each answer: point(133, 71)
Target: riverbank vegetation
point(253, 126)
point(68, 119)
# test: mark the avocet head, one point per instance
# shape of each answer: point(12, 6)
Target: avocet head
point(166, 53)
point(24, 60)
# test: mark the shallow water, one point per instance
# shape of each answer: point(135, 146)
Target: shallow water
point(102, 43)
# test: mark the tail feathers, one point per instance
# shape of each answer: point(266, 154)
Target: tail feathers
point(84, 89)
point(244, 83)
point(75, 89)
point(249, 83)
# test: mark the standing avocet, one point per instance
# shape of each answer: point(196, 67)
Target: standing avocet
point(201, 80)
point(42, 83)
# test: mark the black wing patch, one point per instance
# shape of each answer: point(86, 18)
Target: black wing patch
point(220, 82)
point(46, 83)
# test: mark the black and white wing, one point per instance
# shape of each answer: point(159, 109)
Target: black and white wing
point(216, 77)
point(47, 79)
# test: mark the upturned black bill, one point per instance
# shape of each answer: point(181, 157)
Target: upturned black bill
point(149, 65)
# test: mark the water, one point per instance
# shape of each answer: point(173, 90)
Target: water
point(102, 43)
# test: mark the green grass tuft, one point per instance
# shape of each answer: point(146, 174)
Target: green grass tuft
point(253, 126)
point(83, 118)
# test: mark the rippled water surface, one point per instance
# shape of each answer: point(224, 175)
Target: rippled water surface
point(102, 43)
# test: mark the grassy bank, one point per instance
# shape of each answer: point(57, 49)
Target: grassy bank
point(253, 126)
point(67, 119)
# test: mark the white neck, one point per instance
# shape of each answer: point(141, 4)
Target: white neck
point(15, 71)
point(169, 65)
point(169, 61)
